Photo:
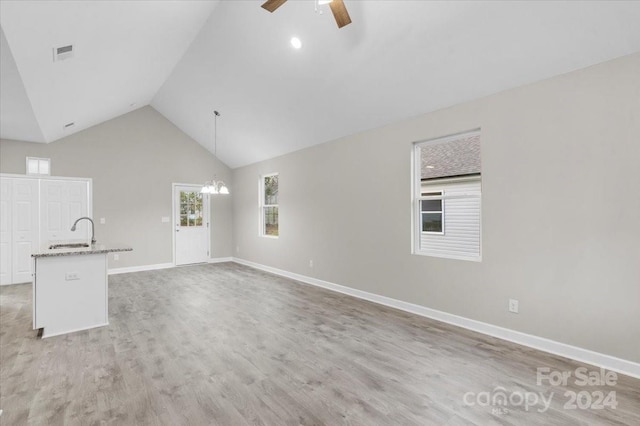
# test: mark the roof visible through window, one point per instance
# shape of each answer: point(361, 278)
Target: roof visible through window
point(452, 158)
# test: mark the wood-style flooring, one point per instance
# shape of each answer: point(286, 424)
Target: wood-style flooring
point(229, 345)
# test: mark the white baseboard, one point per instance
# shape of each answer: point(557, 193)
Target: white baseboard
point(143, 268)
point(587, 356)
point(59, 333)
point(115, 271)
point(220, 259)
point(26, 282)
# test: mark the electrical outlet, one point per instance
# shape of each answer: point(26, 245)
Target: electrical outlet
point(71, 276)
point(116, 256)
point(513, 306)
point(103, 221)
point(311, 264)
point(164, 219)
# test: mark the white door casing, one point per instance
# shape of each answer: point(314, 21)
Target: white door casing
point(191, 224)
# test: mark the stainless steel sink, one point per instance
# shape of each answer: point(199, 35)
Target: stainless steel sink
point(70, 245)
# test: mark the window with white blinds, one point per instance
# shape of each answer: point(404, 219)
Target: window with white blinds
point(447, 199)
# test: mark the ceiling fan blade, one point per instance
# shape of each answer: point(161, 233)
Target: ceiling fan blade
point(272, 5)
point(340, 13)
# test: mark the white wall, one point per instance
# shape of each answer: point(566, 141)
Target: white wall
point(560, 219)
point(133, 160)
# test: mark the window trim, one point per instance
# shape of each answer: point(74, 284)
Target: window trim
point(263, 206)
point(416, 196)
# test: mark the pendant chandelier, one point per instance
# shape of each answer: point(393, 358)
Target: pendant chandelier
point(215, 186)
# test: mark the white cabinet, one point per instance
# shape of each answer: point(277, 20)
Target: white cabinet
point(70, 293)
point(35, 212)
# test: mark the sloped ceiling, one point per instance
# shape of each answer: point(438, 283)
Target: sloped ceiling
point(125, 50)
point(17, 120)
point(397, 59)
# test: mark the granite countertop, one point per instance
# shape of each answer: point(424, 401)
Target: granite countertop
point(96, 248)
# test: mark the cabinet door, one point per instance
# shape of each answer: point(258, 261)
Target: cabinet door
point(62, 202)
point(5, 230)
point(24, 226)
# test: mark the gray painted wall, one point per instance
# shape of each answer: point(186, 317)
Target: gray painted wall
point(133, 160)
point(561, 211)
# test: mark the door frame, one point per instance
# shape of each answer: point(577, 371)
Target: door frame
point(174, 222)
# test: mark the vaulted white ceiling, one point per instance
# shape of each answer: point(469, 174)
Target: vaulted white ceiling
point(396, 60)
point(124, 52)
point(17, 120)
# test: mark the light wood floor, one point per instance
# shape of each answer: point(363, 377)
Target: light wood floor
point(228, 345)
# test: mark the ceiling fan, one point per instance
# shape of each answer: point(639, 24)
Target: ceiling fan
point(338, 9)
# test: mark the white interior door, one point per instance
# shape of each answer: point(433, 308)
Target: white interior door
point(5, 230)
point(24, 228)
point(191, 219)
point(64, 201)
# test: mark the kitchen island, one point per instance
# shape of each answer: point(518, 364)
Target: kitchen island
point(70, 288)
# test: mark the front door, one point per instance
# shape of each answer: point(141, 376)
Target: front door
point(191, 219)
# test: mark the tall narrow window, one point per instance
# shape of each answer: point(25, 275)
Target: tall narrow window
point(447, 197)
point(269, 205)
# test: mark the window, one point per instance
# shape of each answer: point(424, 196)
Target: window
point(269, 205)
point(38, 166)
point(190, 208)
point(447, 197)
point(432, 212)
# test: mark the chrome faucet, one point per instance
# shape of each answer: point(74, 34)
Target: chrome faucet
point(93, 226)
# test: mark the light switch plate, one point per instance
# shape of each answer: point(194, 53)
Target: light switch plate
point(165, 219)
point(102, 221)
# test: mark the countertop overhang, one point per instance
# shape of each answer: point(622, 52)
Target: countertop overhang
point(96, 248)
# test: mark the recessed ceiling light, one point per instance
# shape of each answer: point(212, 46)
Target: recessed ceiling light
point(321, 2)
point(429, 167)
point(296, 43)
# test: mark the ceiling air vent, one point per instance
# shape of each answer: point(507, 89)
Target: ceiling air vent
point(68, 125)
point(63, 52)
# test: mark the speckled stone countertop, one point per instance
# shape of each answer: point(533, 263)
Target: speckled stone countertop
point(96, 248)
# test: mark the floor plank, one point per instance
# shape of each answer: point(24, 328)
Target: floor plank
point(229, 345)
